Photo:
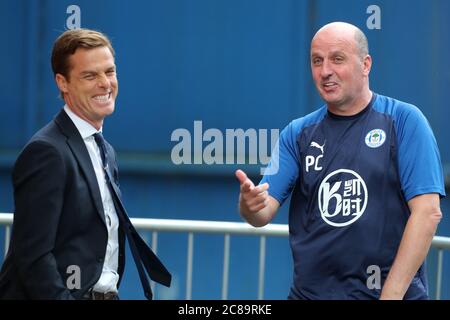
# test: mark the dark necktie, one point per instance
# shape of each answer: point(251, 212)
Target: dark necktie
point(142, 254)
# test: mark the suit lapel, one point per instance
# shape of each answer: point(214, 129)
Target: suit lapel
point(80, 152)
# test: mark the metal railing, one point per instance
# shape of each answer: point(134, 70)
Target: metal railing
point(227, 229)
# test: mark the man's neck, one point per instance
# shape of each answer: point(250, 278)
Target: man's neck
point(353, 107)
point(96, 124)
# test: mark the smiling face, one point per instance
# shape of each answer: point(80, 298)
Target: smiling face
point(339, 70)
point(91, 87)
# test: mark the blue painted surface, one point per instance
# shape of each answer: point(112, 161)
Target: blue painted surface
point(231, 64)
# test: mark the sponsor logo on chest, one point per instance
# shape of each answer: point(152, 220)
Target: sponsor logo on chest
point(342, 197)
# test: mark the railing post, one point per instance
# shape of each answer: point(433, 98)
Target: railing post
point(262, 258)
point(7, 237)
point(155, 250)
point(226, 264)
point(189, 266)
point(439, 274)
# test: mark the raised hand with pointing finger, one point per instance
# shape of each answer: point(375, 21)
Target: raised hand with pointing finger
point(256, 206)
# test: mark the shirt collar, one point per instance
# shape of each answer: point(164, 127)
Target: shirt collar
point(84, 127)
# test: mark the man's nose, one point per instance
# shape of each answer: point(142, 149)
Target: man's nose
point(103, 81)
point(326, 70)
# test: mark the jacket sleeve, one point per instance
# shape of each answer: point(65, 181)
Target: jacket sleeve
point(39, 178)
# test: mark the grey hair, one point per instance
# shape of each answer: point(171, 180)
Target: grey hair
point(362, 45)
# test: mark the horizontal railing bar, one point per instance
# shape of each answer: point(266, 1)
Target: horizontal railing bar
point(441, 242)
point(201, 226)
point(218, 227)
point(6, 218)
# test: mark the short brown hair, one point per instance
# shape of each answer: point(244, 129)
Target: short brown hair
point(69, 41)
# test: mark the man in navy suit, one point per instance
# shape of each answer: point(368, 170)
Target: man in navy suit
point(69, 230)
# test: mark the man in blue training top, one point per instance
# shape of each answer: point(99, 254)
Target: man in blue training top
point(366, 179)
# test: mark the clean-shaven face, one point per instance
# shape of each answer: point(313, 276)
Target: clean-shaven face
point(337, 68)
point(91, 87)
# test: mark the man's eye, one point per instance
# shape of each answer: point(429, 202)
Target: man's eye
point(89, 77)
point(338, 59)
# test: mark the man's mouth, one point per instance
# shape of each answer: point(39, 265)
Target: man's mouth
point(328, 86)
point(103, 98)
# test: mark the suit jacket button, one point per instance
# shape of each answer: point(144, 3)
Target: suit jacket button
point(100, 259)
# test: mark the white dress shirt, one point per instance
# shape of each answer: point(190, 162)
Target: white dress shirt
point(109, 277)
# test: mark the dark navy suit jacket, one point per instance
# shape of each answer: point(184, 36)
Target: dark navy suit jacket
point(59, 219)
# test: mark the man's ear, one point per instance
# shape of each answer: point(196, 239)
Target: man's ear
point(61, 82)
point(367, 64)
